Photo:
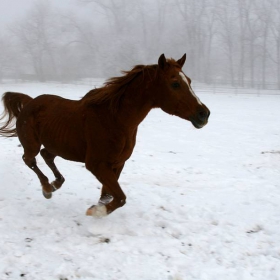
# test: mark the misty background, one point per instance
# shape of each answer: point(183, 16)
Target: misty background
point(234, 42)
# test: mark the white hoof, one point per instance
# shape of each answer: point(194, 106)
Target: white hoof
point(97, 211)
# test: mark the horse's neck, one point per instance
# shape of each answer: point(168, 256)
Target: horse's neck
point(136, 104)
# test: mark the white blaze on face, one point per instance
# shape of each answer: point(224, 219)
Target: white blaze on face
point(187, 82)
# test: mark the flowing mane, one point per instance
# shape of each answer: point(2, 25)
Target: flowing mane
point(114, 88)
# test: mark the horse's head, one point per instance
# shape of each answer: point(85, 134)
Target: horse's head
point(176, 95)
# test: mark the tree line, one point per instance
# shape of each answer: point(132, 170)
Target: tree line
point(235, 42)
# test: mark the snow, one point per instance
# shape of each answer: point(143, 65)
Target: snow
point(201, 204)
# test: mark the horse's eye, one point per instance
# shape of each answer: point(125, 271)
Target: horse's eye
point(175, 85)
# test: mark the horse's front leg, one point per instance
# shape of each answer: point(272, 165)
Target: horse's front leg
point(106, 197)
point(109, 178)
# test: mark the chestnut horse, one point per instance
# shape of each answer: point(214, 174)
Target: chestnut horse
point(99, 129)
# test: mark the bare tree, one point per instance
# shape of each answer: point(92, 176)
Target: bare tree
point(228, 33)
point(8, 61)
point(263, 12)
point(36, 36)
point(253, 30)
point(274, 51)
point(236, 41)
point(192, 13)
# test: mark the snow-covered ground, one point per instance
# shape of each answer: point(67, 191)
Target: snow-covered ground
point(201, 204)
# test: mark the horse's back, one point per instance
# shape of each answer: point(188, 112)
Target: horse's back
point(50, 102)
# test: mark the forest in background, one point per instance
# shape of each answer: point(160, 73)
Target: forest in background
point(235, 42)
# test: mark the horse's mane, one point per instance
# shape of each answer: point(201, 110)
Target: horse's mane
point(114, 88)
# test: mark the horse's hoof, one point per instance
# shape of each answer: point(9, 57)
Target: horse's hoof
point(97, 211)
point(47, 195)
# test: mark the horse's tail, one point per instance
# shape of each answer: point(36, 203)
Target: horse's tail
point(13, 104)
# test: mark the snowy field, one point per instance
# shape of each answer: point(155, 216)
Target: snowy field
point(201, 204)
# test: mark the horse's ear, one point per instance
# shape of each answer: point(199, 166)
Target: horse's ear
point(182, 60)
point(162, 61)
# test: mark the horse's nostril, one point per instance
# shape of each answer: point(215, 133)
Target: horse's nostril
point(203, 115)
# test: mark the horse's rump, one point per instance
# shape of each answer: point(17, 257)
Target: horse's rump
point(56, 123)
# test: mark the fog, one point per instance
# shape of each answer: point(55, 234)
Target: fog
point(234, 42)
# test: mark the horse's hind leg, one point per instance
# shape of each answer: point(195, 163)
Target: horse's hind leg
point(30, 161)
point(49, 159)
point(31, 145)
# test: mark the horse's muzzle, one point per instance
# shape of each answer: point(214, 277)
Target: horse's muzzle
point(201, 118)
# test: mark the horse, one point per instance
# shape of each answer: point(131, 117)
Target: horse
point(99, 129)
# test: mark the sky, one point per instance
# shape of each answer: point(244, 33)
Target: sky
point(13, 9)
point(10, 10)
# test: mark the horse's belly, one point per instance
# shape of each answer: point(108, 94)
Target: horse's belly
point(66, 152)
point(70, 148)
